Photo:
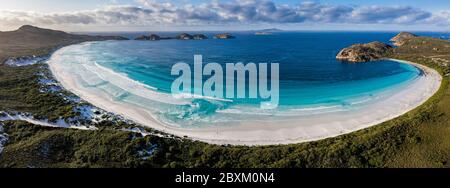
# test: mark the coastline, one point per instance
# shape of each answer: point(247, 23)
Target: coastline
point(261, 133)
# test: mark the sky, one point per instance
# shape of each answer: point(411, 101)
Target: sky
point(175, 15)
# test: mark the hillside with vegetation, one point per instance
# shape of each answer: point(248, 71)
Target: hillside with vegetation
point(417, 139)
point(33, 41)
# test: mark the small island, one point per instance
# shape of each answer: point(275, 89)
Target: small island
point(263, 33)
point(182, 36)
point(151, 37)
point(199, 37)
point(224, 36)
point(268, 31)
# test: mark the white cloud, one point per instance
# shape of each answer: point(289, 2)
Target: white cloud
point(389, 15)
point(236, 12)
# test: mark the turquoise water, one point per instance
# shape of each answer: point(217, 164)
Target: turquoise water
point(312, 82)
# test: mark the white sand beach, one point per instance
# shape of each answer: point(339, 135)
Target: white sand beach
point(292, 130)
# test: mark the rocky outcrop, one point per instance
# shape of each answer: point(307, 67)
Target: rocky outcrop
point(199, 37)
point(364, 52)
point(152, 37)
point(401, 38)
point(224, 36)
point(184, 36)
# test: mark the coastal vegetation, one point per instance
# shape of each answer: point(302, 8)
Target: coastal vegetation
point(20, 92)
point(416, 139)
point(224, 36)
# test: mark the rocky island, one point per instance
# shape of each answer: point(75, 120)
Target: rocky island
point(263, 33)
point(151, 37)
point(364, 52)
point(224, 36)
point(184, 36)
point(268, 31)
point(199, 37)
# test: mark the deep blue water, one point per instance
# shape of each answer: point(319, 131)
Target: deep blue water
point(310, 76)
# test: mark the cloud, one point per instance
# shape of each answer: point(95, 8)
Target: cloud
point(236, 12)
point(441, 19)
point(389, 15)
point(113, 15)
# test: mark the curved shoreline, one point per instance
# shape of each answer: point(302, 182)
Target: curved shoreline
point(284, 132)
